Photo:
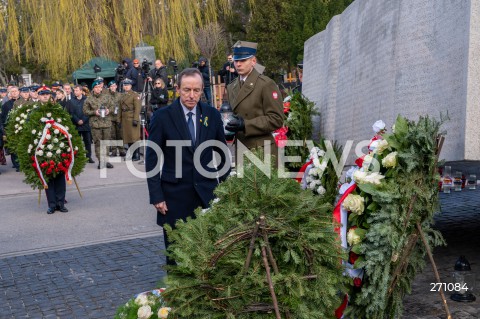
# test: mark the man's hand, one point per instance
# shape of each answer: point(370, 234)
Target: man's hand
point(135, 123)
point(236, 124)
point(107, 111)
point(149, 79)
point(161, 207)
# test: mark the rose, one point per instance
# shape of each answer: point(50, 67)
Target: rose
point(352, 258)
point(55, 140)
point(141, 300)
point(390, 160)
point(56, 131)
point(34, 132)
point(49, 154)
point(378, 126)
point(48, 136)
point(354, 203)
point(49, 114)
point(355, 235)
point(17, 119)
point(321, 190)
point(163, 312)
point(144, 312)
point(35, 141)
point(58, 151)
point(59, 120)
point(39, 153)
point(50, 146)
point(367, 178)
point(357, 282)
point(381, 146)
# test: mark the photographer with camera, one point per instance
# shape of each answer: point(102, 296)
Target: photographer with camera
point(160, 71)
point(204, 69)
point(137, 75)
point(121, 71)
point(228, 71)
point(159, 97)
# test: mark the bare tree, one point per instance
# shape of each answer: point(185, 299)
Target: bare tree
point(209, 39)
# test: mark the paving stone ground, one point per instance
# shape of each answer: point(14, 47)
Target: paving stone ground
point(86, 282)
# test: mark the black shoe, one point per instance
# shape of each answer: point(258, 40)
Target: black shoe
point(50, 210)
point(17, 170)
point(109, 165)
point(63, 209)
point(136, 157)
point(91, 160)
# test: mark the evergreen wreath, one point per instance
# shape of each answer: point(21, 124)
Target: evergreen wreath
point(43, 149)
point(17, 118)
point(265, 246)
point(390, 206)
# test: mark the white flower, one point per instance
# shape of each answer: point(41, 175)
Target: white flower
point(75, 148)
point(56, 131)
point(43, 119)
point(393, 128)
point(141, 300)
point(42, 146)
point(35, 141)
point(59, 120)
point(381, 146)
point(144, 312)
point(49, 114)
point(390, 160)
point(378, 126)
point(16, 131)
point(367, 160)
point(55, 140)
point(39, 153)
point(61, 144)
point(354, 203)
point(163, 312)
point(58, 151)
point(367, 178)
point(68, 149)
point(321, 152)
point(321, 190)
point(22, 121)
point(323, 165)
point(50, 146)
point(34, 131)
point(70, 135)
point(312, 185)
point(40, 134)
point(16, 125)
point(49, 154)
point(48, 136)
point(17, 119)
point(30, 146)
point(352, 237)
point(29, 150)
point(20, 128)
point(316, 162)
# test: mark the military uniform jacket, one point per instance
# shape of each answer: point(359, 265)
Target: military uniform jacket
point(116, 97)
point(259, 102)
point(130, 106)
point(92, 104)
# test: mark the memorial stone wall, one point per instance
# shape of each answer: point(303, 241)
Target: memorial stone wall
point(381, 58)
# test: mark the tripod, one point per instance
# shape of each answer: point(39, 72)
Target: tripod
point(144, 97)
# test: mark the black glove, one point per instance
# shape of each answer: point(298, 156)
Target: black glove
point(134, 123)
point(236, 124)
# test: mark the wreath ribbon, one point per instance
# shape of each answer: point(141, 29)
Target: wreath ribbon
point(43, 140)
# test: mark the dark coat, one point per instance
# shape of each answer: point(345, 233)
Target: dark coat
point(205, 75)
point(159, 97)
point(259, 102)
point(228, 76)
point(75, 108)
point(160, 73)
point(138, 77)
point(183, 194)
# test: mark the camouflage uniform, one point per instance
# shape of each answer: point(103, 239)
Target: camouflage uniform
point(116, 133)
point(101, 127)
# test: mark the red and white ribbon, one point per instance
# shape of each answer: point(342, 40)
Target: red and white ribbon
point(43, 140)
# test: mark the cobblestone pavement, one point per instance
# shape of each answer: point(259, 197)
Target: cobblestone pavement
point(459, 223)
point(86, 282)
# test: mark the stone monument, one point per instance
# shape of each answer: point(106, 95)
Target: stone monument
point(381, 58)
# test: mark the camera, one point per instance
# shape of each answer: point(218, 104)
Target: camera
point(195, 64)
point(146, 65)
point(120, 69)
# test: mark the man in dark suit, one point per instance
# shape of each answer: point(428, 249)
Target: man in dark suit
point(182, 131)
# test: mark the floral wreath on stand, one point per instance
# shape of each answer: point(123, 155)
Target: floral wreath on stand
point(50, 145)
point(17, 119)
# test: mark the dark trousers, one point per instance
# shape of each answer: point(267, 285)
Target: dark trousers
point(87, 140)
point(14, 158)
point(56, 191)
point(208, 96)
point(170, 261)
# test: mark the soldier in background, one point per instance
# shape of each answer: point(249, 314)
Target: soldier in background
point(24, 96)
point(115, 115)
point(98, 106)
point(131, 106)
point(33, 93)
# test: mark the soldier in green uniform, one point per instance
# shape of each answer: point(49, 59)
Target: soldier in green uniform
point(98, 106)
point(130, 105)
point(24, 96)
point(116, 133)
point(256, 101)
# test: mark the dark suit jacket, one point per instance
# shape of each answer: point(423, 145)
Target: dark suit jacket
point(183, 194)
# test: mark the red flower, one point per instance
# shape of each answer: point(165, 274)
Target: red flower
point(352, 257)
point(64, 155)
point(357, 282)
point(44, 164)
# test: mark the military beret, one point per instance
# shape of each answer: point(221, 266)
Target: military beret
point(56, 84)
point(127, 82)
point(244, 50)
point(97, 82)
point(34, 88)
point(3, 90)
point(111, 83)
point(44, 90)
point(24, 89)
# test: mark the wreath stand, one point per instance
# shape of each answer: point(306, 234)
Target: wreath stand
point(412, 241)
